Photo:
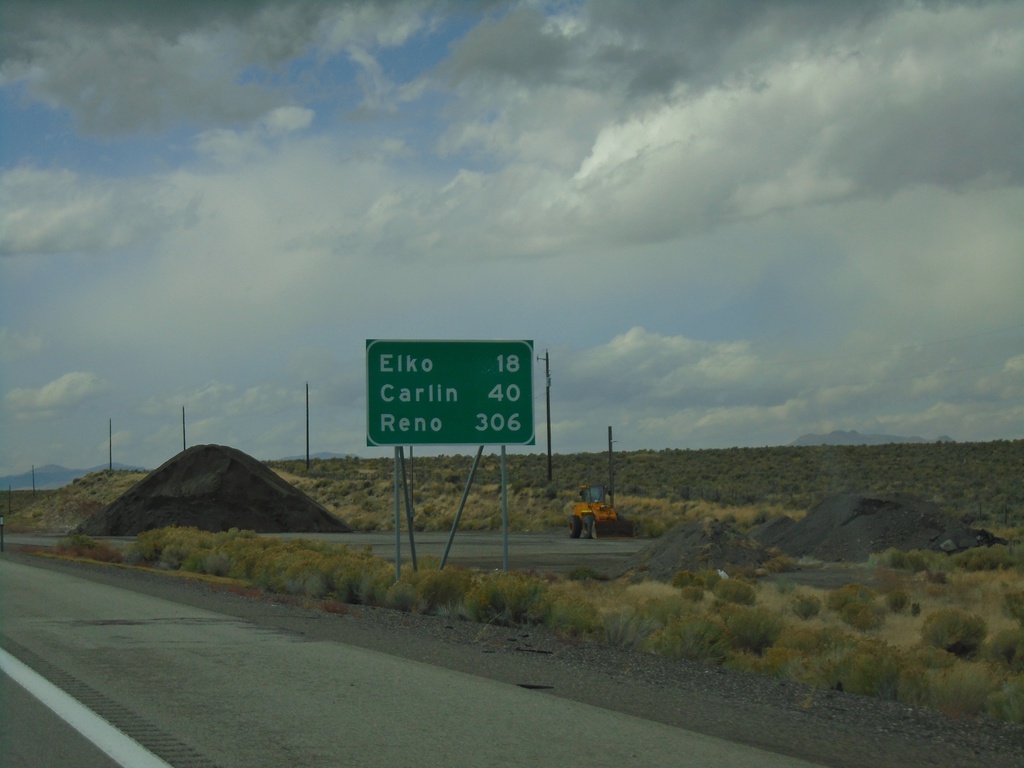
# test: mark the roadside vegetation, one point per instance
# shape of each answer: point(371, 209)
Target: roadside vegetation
point(932, 630)
point(980, 482)
point(924, 628)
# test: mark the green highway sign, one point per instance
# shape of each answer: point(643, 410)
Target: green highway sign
point(449, 392)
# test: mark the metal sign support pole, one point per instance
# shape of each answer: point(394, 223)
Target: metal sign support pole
point(462, 505)
point(504, 512)
point(398, 518)
point(409, 513)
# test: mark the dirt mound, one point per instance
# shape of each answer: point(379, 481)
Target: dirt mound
point(214, 488)
point(699, 545)
point(851, 527)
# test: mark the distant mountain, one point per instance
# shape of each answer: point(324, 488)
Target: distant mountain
point(839, 437)
point(51, 476)
point(320, 455)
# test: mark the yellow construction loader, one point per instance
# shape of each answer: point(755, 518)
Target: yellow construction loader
point(592, 516)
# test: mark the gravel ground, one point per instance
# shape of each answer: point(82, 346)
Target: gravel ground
point(829, 727)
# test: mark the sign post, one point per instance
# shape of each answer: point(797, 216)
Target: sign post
point(421, 392)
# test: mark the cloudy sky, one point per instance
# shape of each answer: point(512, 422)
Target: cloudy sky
point(729, 224)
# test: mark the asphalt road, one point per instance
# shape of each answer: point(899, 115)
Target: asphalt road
point(33, 735)
point(203, 690)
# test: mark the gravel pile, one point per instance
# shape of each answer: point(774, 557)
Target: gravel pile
point(845, 528)
point(696, 546)
point(851, 527)
point(213, 488)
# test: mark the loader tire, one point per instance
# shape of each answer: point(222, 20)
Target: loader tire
point(589, 527)
point(575, 527)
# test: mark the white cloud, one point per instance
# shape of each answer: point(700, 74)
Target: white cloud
point(58, 211)
point(65, 392)
point(232, 147)
point(283, 120)
point(729, 227)
point(16, 345)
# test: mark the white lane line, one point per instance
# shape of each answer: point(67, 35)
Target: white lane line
point(122, 749)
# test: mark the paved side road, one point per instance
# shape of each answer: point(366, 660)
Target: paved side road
point(211, 689)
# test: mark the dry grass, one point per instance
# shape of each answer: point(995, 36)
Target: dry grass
point(363, 498)
point(65, 508)
point(855, 639)
point(886, 657)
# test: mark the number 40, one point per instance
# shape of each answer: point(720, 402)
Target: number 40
point(500, 393)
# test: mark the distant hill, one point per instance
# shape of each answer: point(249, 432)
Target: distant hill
point(320, 455)
point(51, 476)
point(839, 437)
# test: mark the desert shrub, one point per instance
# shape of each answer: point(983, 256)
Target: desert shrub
point(784, 586)
point(805, 605)
point(169, 547)
point(962, 690)
point(896, 600)
point(80, 545)
point(920, 662)
point(864, 616)
point(573, 618)
point(873, 669)
point(664, 609)
point(693, 594)
point(694, 639)
point(145, 548)
point(77, 541)
point(443, 590)
point(995, 558)
point(509, 599)
point(308, 582)
point(776, 661)
point(753, 630)
point(837, 599)
point(955, 631)
point(173, 556)
point(1013, 606)
point(811, 641)
point(1008, 702)
point(373, 587)
point(402, 596)
point(710, 577)
point(915, 560)
point(346, 579)
point(628, 629)
point(734, 591)
point(780, 564)
point(687, 579)
point(585, 573)
point(1006, 648)
point(651, 528)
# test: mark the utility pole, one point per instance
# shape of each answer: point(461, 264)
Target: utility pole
point(611, 471)
point(183, 428)
point(547, 403)
point(307, 428)
point(110, 444)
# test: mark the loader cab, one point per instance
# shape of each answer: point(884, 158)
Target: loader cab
point(592, 494)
